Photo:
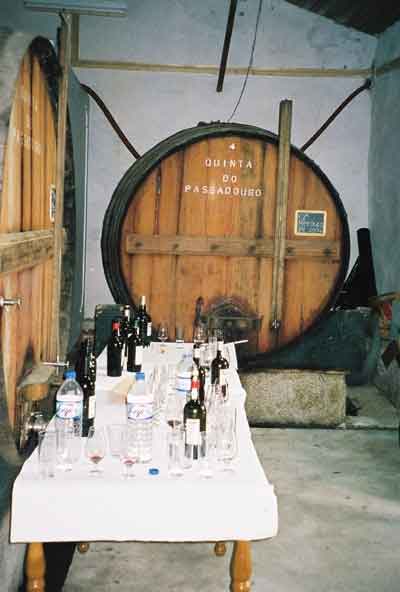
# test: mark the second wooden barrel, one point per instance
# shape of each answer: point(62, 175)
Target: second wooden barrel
point(193, 223)
point(27, 202)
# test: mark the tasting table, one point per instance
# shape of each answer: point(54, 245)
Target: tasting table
point(74, 506)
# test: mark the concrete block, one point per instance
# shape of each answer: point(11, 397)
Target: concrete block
point(295, 397)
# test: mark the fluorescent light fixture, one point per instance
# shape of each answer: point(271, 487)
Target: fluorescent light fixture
point(93, 7)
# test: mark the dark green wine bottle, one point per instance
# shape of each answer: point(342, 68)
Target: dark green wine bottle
point(194, 419)
point(135, 350)
point(87, 380)
point(202, 372)
point(114, 351)
point(125, 328)
point(219, 365)
point(143, 319)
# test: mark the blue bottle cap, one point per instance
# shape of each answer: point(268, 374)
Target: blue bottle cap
point(153, 471)
point(139, 375)
point(70, 374)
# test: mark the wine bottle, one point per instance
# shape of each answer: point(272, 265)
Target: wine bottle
point(86, 380)
point(93, 362)
point(125, 328)
point(202, 372)
point(114, 351)
point(219, 365)
point(135, 351)
point(194, 420)
point(143, 320)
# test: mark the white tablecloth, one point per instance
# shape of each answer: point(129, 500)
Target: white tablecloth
point(75, 506)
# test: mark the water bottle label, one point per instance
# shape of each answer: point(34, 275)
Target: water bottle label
point(183, 383)
point(92, 407)
point(192, 427)
point(223, 377)
point(69, 409)
point(140, 412)
point(148, 329)
point(139, 355)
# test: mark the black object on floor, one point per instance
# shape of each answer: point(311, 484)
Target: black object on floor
point(58, 560)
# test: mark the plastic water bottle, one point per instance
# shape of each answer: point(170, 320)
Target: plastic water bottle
point(69, 404)
point(68, 420)
point(140, 411)
point(184, 372)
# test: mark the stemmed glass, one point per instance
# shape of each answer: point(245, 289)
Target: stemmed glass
point(199, 333)
point(174, 410)
point(226, 440)
point(129, 451)
point(162, 334)
point(95, 449)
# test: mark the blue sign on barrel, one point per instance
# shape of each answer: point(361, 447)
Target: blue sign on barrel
point(310, 222)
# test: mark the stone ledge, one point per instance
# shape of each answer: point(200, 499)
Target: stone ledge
point(295, 397)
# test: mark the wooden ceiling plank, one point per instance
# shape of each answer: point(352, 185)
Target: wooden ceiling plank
point(367, 16)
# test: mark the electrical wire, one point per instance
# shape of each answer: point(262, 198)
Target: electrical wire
point(260, 4)
point(367, 84)
point(111, 120)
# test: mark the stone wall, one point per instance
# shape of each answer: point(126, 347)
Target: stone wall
point(384, 191)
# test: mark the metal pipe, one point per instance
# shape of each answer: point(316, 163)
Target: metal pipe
point(227, 42)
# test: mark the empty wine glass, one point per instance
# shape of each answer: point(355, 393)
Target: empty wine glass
point(175, 451)
point(95, 449)
point(206, 456)
point(227, 440)
point(161, 394)
point(212, 346)
point(199, 333)
point(129, 451)
point(174, 410)
point(162, 334)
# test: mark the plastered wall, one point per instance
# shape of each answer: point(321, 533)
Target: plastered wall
point(384, 166)
point(150, 106)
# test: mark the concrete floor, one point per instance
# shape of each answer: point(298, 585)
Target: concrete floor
point(339, 506)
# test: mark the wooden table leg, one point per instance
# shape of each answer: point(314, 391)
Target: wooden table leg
point(241, 567)
point(35, 568)
point(220, 549)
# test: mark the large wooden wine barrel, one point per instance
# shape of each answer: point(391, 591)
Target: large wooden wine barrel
point(194, 221)
point(30, 74)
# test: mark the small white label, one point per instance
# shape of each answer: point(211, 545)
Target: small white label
point(149, 329)
point(92, 407)
point(138, 355)
point(140, 411)
point(193, 432)
point(223, 377)
point(183, 383)
point(69, 409)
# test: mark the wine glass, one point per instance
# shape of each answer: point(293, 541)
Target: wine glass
point(212, 346)
point(199, 333)
point(95, 449)
point(227, 440)
point(206, 456)
point(129, 451)
point(160, 393)
point(174, 410)
point(175, 451)
point(162, 334)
